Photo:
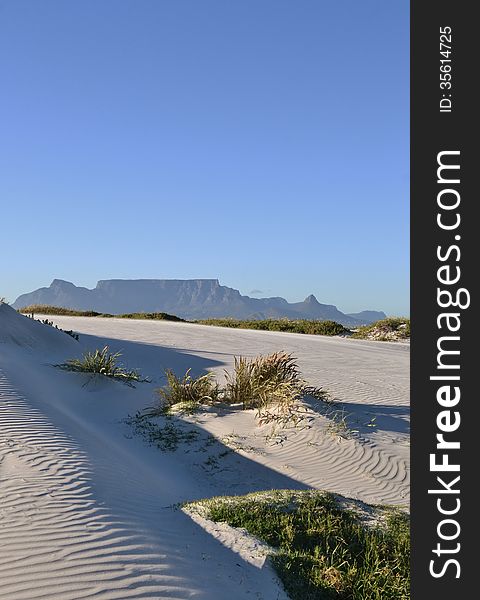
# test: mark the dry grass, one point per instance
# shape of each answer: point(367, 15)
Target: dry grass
point(264, 380)
point(187, 392)
point(271, 384)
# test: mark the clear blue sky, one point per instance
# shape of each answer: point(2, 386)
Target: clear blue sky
point(261, 142)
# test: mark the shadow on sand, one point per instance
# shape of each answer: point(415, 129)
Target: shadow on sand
point(140, 486)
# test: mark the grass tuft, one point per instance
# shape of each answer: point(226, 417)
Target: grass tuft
point(187, 393)
point(102, 362)
point(320, 549)
point(270, 384)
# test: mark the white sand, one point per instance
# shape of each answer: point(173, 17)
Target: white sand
point(86, 507)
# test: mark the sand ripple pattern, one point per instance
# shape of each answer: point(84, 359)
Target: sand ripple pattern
point(52, 530)
point(368, 473)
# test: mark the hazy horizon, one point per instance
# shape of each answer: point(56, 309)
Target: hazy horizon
point(261, 143)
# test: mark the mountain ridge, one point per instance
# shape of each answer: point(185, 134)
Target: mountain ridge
point(186, 298)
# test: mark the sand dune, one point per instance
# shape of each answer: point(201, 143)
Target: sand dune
point(87, 508)
point(369, 380)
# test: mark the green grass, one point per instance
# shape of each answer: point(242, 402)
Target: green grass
point(104, 363)
point(322, 550)
point(391, 328)
point(306, 326)
point(45, 309)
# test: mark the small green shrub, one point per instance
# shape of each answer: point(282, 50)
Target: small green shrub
point(102, 362)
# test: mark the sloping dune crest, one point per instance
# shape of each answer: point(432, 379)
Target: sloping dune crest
point(21, 331)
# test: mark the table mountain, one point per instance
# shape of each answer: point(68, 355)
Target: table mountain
point(186, 298)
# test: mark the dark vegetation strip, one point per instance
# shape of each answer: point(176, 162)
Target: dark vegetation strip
point(45, 309)
point(390, 329)
point(297, 326)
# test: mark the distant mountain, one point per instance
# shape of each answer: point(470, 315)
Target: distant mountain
point(186, 298)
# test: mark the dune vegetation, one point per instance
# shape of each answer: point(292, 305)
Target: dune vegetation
point(293, 326)
point(321, 549)
point(103, 363)
point(385, 330)
point(152, 316)
point(389, 329)
point(271, 384)
point(45, 309)
point(69, 332)
point(306, 326)
point(187, 393)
